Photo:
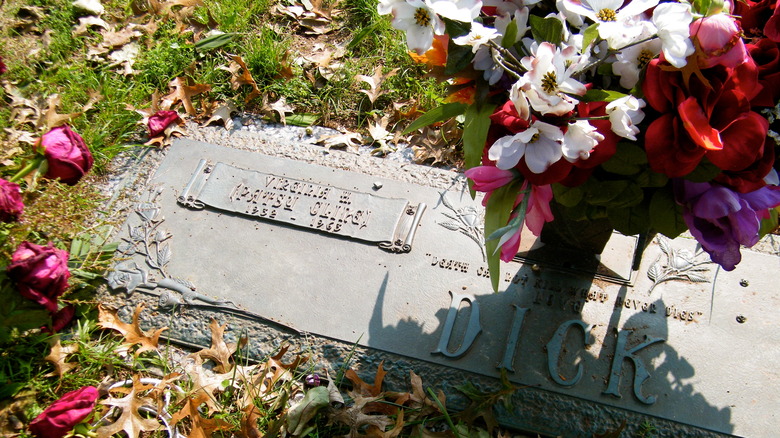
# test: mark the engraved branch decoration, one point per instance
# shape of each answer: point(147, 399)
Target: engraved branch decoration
point(150, 240)
point(680, 265)
point(466, 220)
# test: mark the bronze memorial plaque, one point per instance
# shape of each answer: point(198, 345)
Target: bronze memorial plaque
point(400, 267)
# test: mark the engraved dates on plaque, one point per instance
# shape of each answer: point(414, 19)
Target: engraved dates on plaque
point(389, 222)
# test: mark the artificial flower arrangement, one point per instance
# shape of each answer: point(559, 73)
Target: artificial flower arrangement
point(654, 116)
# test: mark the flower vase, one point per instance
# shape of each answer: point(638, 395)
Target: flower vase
point(584, 236)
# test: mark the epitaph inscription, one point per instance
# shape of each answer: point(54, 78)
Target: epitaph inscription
point(695, 352)
point(391, 223)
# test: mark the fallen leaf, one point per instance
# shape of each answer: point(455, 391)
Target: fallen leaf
point(207, 382)
point(220, 352)
point(58, 356)
point(181, 92)
point(131, 421)
point(108, 319)
point(354, 417)
point(363, 388)
point(88, 23)
point(54, 119)
point(92, 6)
point(240, 75)
point(375, 82)
point(349, 139)
point(279, 108)
point(223, 115)
point(432, 145)
point(377, 129)
point(113, 39)
point(125, 58)
point(200, 427)
point(249, 420)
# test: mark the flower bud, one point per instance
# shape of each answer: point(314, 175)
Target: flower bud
point(11, 206)
point(62, 416)
point(40, 272)
point(67, 155)
point(719, 41)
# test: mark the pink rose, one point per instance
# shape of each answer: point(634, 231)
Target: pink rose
point(64, 414)
point(67, 155)
point(40, 272)
point(489, 178)
point(719, 37)
point(11, 206)
point(160, 121)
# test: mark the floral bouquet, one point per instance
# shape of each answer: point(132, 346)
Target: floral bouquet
point(655, 117)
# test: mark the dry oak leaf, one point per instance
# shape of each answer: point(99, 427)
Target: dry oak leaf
point(349, 139)
point(58, 356)
point(223, 115)
point(200, 427)
point(220, 352)
point(52, 119)
point(87, 23)
point(279, 107)
point(240, 75)
point(375, 82)
point(432, 145)
point(108, 319)
point(355, 417)
point(181, 92)
point(207, 382)
point(363, 388)
point(131, 421)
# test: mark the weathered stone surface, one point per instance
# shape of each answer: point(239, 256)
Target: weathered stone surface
point(677, 340)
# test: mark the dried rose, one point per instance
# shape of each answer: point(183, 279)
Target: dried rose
point(3, 68)
point(160, 121)
point(40, 272)
point(64, 414)
point(67, 155)
point(11, 206)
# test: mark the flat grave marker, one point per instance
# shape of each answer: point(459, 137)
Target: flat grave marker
point(398, 267)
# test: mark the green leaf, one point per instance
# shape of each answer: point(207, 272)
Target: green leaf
point(456, 28)
point(510, 35)
point(497, 212)
point(770, 224)
point(214, 41)
point(567, 196)
point(303, 119)
point(590, 35)
point(546, 29)
point(665, 214)
point(628, 160)
point(301, 414)
point(704, 172)
point(475, 131)
point(458, 58)
point(630, 220)
point(438, 114)
point(616, 194)
point(648, 178)
point(598, 95)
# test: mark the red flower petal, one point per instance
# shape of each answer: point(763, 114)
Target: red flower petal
point(698, 125)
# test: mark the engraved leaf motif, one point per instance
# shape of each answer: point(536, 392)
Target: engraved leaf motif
point(696, 278)
point(450, 226)
point(655, 272)
point(663, 242)
point(137, 234)
point(185, 283)
point(164, 255)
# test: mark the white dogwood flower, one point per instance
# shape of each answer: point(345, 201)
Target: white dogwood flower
point(624, 114)
point(540, 144)
point(548, 78)
point(477, 37)
point(616, 21)
point(631, 60)
point(421, 19)
point(580, 139)
point(673, 21)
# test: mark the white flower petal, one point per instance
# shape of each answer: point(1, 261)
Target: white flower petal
point(541, 154)
point(506, 152)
